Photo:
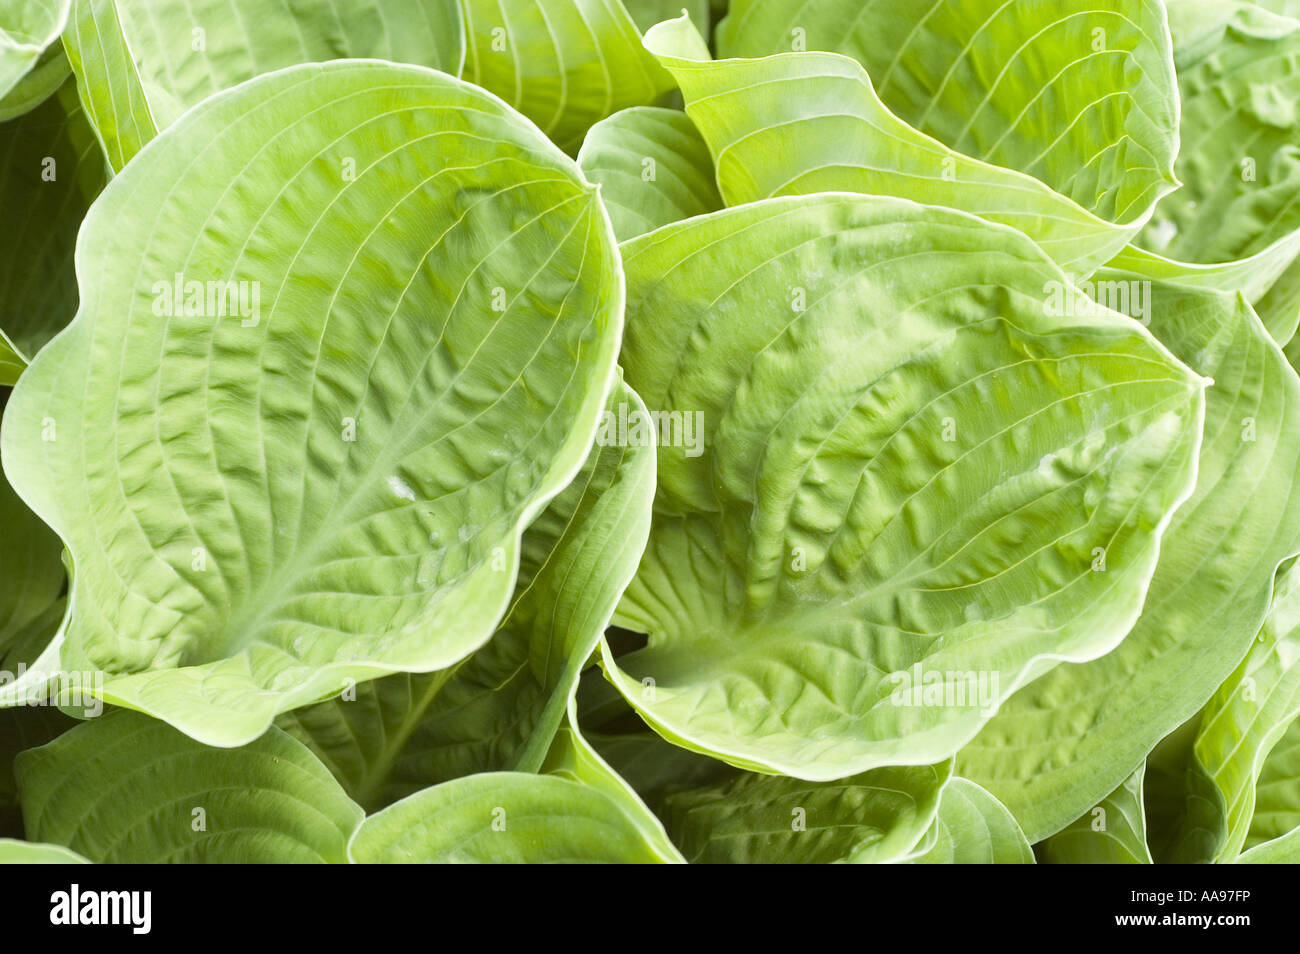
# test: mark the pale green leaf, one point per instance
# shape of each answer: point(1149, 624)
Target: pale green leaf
point(565, 64)
point(1113, 832)
point(906, 467)
point(1284, 850)
point(974, 828)
point(1060, 745)
point(141, 63)
point(1240, 158)
point(652, 168)
point(795, 123)
point(1277, 792)
point(325, 480)
point(31, 853)
point(501, 708)
point(577, 810)
point(874, 817)
point(49, 73)
point(125, 788)
point(1079, 95)
point(27, 28)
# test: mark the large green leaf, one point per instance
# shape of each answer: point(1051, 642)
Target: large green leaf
point(51, 169)
point(1059, 746)
point(31, 571)
point(875, 817)
point(128, 789)
point(500, 709)
point(324, 481)
point(577, 810)
point(565, 64)
point(915, 489)
point(27, 28)
point(141, 63)
point(1113, 832)
point(1246, 717)
point(1079, 94)
point(974, 828)
point(1240, 158)
point(653, 168)
point(1284, 850)
point(793, 123)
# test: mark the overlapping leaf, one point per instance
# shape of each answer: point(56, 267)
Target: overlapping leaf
point(1058, 747)
point(974, 828)
point(500, 709)
point(128, 789)
point(141, 63)
point(791, 123)
point(280, 473)
point(565, 64)
point(908, 473)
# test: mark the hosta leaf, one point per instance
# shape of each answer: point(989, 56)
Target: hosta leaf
point(325, 480)
point(1240, 159)
point(12, 361)
point(500, 709)
point(1277, 792)
point(877, 816)
point(20, 729)
point(1248, 715)
point(577, 810)
point(974, 828)
point(907, 474)
point(141, 63)
point(646, 13)
point(127, 789)
point(1284, 850)
point(799, 123)
point(51, 169)
point(565, 64)
point(31, 571)
point(1079, 95)
point(30, 853)
point(49, 73)
point(653, 168)
point(27, 28)
point(1113, 832)
point(1059, 746)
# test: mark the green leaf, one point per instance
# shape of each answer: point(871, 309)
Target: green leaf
point(875, 817)
point(501, 708)
point(32, 577)
point(1246, 717)
point(20, 729)
point(141, 63)
point(49, 73)
point(1284, 850)
point(1277, 792)
point(653, 168)
point(1081, 96)
point(578, 810)
point(903, 468)
point(1113, 832)
point(798, 123)
point(974, 828)
point(126, 789)
point(1240, 160)
point(1059, 746)
point(565, 64)
point(28, 853)
point(326, 480)
point(27, 28)
point(51, 169)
